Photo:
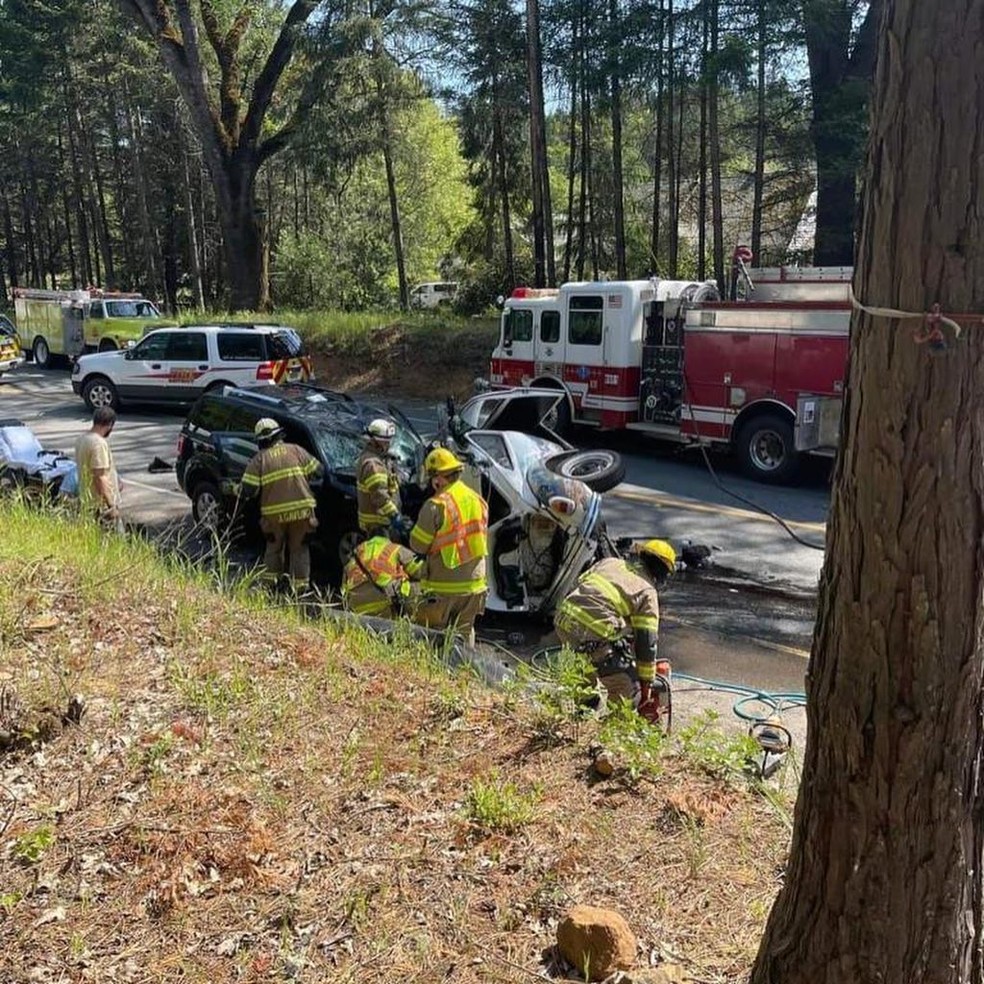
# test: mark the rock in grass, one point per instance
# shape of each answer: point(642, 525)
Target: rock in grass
point(596, 941)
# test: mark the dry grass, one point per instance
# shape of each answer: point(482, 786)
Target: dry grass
point(252, 798)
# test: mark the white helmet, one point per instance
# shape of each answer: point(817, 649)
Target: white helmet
point(381, 429)
point(266, 428)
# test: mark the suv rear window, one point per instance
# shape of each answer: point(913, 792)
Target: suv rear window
point(241, 347)
point(210, 414)
point(284, 345)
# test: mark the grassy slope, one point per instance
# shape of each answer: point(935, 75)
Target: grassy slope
point(424, 354)
point(253, 797)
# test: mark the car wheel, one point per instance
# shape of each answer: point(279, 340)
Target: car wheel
point(213, 387)
point(600, 469)
point(41, 353)
point(207, 506)
point(766, 448)
point(100, 392)
point(108, 345)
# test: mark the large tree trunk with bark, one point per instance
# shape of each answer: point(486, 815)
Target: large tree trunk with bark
point(884, 882)
point(242, 234)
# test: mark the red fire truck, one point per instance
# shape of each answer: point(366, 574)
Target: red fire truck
point(763, 372)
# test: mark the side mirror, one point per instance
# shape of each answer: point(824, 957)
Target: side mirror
point(128, 354)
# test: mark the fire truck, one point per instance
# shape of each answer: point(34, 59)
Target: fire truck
point(762, 372)
point(67, 323)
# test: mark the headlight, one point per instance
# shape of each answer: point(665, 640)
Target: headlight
point(76, 369)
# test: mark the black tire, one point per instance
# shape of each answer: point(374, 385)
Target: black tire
point(599, 469)
point(207, 505)
point(108, 345)
point(766, 448)
point(98, 391)
point(41, 352)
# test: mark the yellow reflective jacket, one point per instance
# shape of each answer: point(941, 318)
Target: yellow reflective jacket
point(375, 565)
point(377, 490)
point(452, 533)
point(611, 601)
point(280, 473)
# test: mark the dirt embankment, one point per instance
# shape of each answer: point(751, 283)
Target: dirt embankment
point(416, 361)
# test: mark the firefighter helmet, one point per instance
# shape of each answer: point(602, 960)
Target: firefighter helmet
point(381, 429)
point(656, 554)
point(266, 429)
point(440, 461)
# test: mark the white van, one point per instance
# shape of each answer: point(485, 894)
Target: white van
point(433, 295)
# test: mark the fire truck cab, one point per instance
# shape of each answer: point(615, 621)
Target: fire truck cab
point(763, 373)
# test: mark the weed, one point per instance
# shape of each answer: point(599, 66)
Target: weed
point(500, 806)
point(30, 847)
point(564, 694)
point(9, 900)
point(155, 754)
point(696, 849)
point(720, 755)
point(447, 705)
point(636, 744)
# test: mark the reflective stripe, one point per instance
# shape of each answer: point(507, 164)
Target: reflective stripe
point(371, 607)
point(462, 536)
point(611, 593)
point(596, 626)
point(650, 622)
point(420, 540)
point(286, 512)
point(374, 480)
point(454, 587)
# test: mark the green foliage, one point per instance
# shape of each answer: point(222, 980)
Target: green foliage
point(31, 846)
point(720, 755)
point(562, 695)
point(634, 742)
point(498, 806)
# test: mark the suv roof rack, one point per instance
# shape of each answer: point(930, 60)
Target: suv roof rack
point(253, 393)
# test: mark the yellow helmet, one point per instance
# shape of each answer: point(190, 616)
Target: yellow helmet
point(441, 460)
point(659, 550)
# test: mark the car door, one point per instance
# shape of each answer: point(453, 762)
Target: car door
point(187, 363)
point(143, 369)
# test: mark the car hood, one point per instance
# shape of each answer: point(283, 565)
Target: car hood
point(524, 410)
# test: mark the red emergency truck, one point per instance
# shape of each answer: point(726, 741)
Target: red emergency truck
point(763, 372)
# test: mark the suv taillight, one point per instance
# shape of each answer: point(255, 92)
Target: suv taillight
point(264, 370)
point(179, 450)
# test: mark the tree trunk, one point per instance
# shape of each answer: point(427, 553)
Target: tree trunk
point(839, 80)
point(582, 205)
point(714, 138)
point(395, 224)
point(571, 167)
point(758, 181)
point(672, 206)
point(242, 233)
point(884, 881)
point(198, 290)
point(618, 177)
point(658, 143)
point(535, 81)
point(9, 242)
point(705, 85)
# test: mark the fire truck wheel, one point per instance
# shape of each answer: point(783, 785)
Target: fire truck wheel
point(100, 392)
point(599, 469)
point(766, 448)
point(41, 353)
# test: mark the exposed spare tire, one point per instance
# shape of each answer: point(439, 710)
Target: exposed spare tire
point(599, 469)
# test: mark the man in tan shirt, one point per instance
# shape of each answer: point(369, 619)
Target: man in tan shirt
point(99, 485)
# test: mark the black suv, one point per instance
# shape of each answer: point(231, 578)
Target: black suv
point(217, 442)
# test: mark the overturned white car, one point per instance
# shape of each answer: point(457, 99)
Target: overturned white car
point(545, 517)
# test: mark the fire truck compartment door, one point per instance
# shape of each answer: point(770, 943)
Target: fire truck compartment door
point(817, 422)
point(517, 339)
point(72, 330)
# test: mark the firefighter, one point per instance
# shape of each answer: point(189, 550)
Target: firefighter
point(280, 474)
point(452, 535)
point(377, 578)
point(614, 600)
point(377, 483)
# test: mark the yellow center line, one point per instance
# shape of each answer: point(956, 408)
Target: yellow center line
point(765, 643)
point(671, 502)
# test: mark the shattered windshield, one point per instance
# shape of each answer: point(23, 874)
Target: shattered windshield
point(341, 443)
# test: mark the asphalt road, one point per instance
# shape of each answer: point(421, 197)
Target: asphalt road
point(747, 620)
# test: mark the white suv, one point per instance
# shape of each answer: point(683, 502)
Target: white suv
point(177, 365)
